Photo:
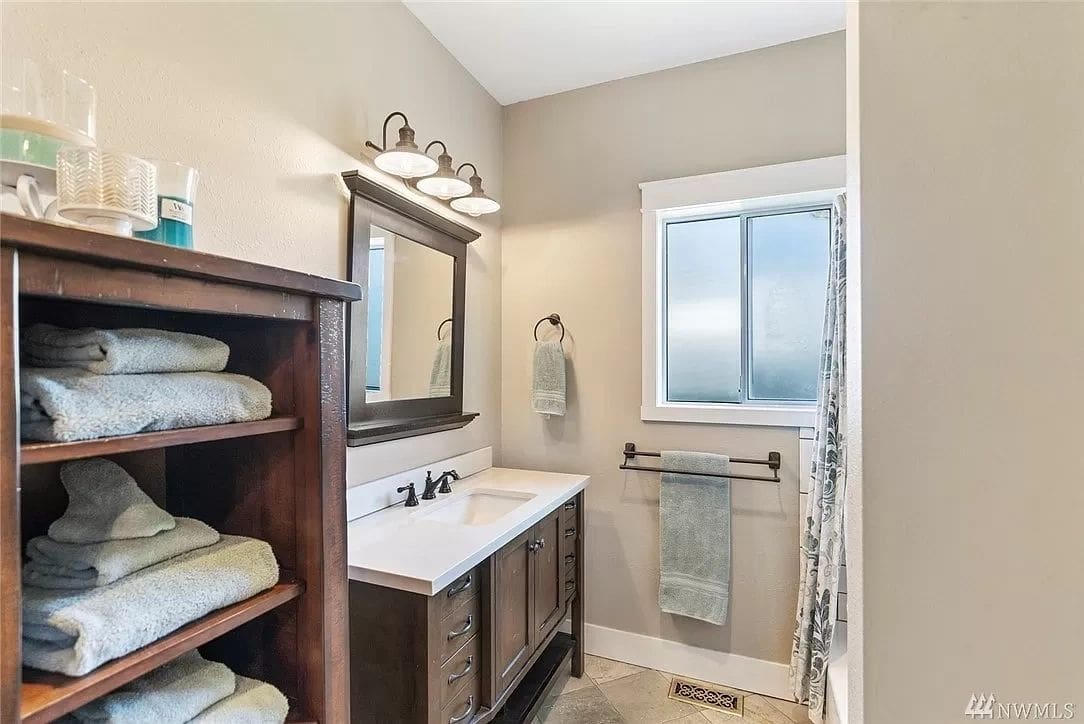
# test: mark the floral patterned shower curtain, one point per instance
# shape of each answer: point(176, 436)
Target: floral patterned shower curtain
point(822, 547)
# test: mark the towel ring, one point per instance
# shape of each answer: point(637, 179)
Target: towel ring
point(440, 327)
point(555, 320)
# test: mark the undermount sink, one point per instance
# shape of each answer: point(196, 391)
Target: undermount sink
point(476, 507)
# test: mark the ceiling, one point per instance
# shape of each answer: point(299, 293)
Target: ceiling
point(524, 49)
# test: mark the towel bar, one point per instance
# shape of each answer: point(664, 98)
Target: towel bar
point(773, 462)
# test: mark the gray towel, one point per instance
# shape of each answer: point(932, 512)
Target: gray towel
point(548, 382)
point(81, 405)
point(440, 379)
point(86, 565)
point(694, 517)
point(254, 702)
point(174, 692)
point(123, 351)
point(104, 503)
point(73, 632)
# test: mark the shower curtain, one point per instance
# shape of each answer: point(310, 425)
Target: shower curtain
point(822, 547)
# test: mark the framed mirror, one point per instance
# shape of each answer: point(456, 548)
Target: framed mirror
point(405, 337)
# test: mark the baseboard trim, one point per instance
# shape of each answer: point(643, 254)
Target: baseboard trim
point(717, 667)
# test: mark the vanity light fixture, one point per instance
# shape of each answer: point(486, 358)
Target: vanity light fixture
point(476, 203)
point(406, 159)
point(444, 184)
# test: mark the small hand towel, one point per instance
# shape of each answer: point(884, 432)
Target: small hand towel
point(174, 692)
point(74, 632)
point(694, 517)
point(104, 503)
point(123, 351)
point(86, 565)
point(548, 381)
point(440, 379)
point(81, 405)
point(254, 702)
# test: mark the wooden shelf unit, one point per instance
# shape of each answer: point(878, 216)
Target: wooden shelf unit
point(281, 480)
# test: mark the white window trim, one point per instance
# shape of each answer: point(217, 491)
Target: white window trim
point(802, 182)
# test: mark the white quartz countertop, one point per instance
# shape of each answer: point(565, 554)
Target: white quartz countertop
point(412, 550)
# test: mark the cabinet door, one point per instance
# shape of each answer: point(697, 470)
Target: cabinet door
point(512, 609)
point(548, 597)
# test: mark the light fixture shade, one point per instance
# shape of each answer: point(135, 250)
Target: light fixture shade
point(444, 184)
point(405, 160)
point(477, 203)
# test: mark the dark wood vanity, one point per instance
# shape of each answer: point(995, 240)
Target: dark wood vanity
point(459, 656)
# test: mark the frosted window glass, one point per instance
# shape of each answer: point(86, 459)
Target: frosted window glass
point(788, 270)
point(703, 311)
point(374, 334)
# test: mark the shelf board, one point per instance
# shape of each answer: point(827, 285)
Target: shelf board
point(33, 453)
point(46, 696)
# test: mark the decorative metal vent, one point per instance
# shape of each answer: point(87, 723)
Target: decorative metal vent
point(721, 699)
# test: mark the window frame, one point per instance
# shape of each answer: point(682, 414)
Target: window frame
point(803, 185)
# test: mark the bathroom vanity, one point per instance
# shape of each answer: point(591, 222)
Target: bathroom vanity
point(455, 604)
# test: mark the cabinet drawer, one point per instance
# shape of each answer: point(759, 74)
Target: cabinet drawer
point(461, 589)
point(567, 544)
point(464, 704)
point(458, 626)
point(568, 512)
point(462, 667)
point(569, 584)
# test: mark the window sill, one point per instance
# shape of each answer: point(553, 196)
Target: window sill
point(770, 415)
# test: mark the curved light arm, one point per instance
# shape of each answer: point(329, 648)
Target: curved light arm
point(384, 135)
point(463, 165)
point(443, 148)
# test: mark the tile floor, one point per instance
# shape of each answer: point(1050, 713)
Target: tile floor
point(612, 692)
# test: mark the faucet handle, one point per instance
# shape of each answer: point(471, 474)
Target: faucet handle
point(412, 498)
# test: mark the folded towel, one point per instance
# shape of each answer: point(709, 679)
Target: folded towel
point(694, 517)
point(254, 702)
point(548, 383)
point(174, 692)
point(440, 379)
point(104, 503)
point(86, 565)
point(123, 351)
point(72, 632)
point(81, 405)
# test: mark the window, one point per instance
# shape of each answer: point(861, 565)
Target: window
point(734, 294)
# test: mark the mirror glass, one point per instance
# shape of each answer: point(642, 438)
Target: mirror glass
point(409, 333)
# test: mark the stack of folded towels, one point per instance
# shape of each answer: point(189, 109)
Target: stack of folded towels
point(79, 384)
point(116, 572)
point(187, 689)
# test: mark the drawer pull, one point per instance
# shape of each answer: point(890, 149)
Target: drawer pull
point(570, 558)
point(569, 532)
point(458, 588)
point(452, 678)
point(466, 712)
point(569, 586)
point(570, 505)
point(466, 627)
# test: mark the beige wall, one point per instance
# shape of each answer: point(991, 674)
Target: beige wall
point(271, 101)
point(572, 245)
point(971, 143)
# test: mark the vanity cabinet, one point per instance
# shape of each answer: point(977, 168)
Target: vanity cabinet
point(457, 656)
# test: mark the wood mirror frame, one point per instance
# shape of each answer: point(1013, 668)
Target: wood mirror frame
point(371, 422)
